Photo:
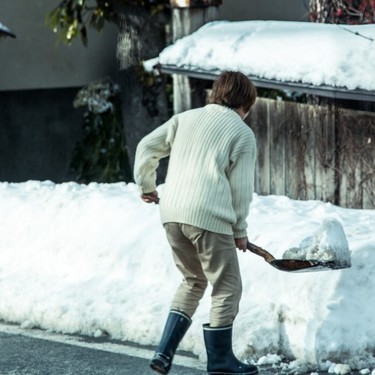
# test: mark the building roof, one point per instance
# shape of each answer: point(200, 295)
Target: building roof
point(321, 59)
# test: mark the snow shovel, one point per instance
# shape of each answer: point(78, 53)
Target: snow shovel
point(288, 265)
point(294, 265)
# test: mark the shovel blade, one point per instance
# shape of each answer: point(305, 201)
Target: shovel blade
point(294, 265)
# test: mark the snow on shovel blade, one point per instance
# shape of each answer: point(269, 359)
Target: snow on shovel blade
point(294, 265)
point(325, 249)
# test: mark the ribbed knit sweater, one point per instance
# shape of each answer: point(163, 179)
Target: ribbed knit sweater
point(210, 177)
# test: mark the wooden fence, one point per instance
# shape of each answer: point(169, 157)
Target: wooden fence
point(315, 152)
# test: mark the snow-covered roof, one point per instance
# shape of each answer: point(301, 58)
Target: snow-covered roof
point(337, 58)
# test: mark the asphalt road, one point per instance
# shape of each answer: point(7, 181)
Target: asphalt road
point(34, 352)
point(37, 352)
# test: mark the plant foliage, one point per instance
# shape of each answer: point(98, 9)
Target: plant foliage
point(101, 155)
point(343, 11)
point(71, 18)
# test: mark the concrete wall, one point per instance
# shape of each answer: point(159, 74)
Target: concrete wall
point(35, 60)
point(38, 131)
point(286, 10)
point(39, 79)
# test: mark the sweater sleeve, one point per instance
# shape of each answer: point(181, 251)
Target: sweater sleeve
point(241, 179)
point(150, 150)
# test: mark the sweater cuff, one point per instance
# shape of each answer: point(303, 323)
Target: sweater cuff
point(240, 234)
point(146, 189)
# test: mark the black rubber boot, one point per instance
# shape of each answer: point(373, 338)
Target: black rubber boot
point(220, 357)
point(175, 328)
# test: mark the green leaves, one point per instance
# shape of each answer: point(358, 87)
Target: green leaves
point(101, 155)
point(71, 18)
point(67, 21)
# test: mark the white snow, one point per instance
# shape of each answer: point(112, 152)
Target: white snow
point(93, 259)
point(3, 28)
point(310, 53)
point(327, 244)
point(339, 369)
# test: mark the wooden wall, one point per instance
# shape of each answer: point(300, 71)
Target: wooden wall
point(315, 152)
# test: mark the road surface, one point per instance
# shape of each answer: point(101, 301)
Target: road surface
point(36, 352)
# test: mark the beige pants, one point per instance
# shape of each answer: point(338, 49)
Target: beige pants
point(203, 257)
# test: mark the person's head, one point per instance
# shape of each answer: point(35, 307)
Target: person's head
point(233, 90)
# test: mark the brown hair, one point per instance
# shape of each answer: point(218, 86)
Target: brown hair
point(233, 90)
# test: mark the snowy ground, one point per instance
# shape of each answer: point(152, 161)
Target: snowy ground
point(94, 259)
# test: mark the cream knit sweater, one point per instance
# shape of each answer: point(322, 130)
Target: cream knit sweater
point(210, 178)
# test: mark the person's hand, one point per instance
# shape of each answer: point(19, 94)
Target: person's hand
point(241, 243)
point(150, 197)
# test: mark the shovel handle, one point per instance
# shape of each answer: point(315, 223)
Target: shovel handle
point(261, 252)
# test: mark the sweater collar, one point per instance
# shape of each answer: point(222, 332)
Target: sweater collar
point(221, 108)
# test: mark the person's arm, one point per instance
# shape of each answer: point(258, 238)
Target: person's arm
point(241, 179)
point(150, 150)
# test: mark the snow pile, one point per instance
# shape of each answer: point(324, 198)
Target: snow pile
point(304, 52)
point(94, 260)
point(328, 244)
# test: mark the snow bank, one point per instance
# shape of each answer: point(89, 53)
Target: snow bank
point(94, 259)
